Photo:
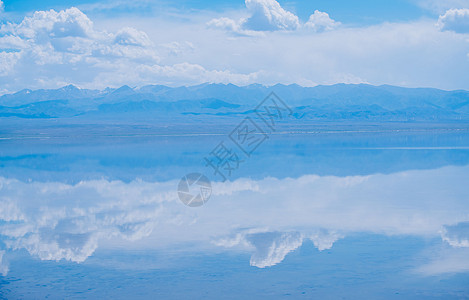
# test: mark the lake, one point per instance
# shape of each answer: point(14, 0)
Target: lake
point(323, 212)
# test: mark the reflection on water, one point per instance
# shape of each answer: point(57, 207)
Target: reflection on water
point(98, 204)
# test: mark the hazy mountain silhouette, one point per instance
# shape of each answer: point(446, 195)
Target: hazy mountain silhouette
point(334, 102)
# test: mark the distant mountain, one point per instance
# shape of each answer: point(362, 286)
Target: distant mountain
point(334, 102)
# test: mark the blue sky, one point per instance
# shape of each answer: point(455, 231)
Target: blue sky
point(95, 44)
point(361, 11)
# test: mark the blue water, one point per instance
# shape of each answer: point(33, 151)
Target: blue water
point(328, 214)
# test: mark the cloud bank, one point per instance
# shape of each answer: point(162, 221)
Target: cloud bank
point(265, 43)
point(65, 46)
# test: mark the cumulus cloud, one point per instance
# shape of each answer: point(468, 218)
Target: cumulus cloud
point(133, 37)
point(268, 15)
point(50, 40)
point(320, 21)
point(2, 6)
point(57, 48)
point(43, 25)
point(456, 20)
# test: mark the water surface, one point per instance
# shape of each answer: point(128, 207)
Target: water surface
point(329, 214)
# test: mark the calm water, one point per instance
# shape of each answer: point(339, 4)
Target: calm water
point(320, 215)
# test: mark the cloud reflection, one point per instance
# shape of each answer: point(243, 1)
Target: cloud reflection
point(457, 235)
point(55, 221)
point(271, 247)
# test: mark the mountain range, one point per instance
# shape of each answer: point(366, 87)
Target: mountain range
point(333, 102)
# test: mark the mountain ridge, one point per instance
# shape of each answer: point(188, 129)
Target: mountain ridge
point(323, 102)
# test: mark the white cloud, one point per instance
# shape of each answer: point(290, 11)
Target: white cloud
point(55, 48)
point(131, 36)
point(456, 20)
point(12, 42)
point(50, 40)
point(232, 26)
point(43, 25)
point(226, 24)
point(8, 61)
point(264, 15)
point(91, 54)
point(388, 53)
point(320, 21)
point(2, 6)
point(351, 55)
point(268, 15)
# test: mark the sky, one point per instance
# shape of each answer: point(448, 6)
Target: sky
point(98, 44)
